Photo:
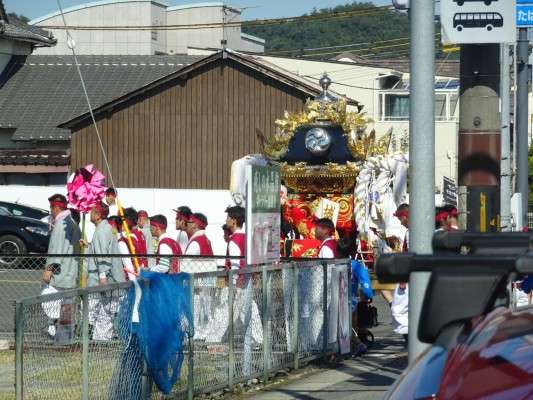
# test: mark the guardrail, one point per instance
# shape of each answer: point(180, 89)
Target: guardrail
point(276, 319)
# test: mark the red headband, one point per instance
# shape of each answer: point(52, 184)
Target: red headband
point(129, 221)
point(442, 215)
point(453, 212)
point(404, 213)
point(110, 194)
point(113, 223)
point(324, 227)
point(101, 210)
point(159, 225)
point(143, 215)
point(58, 204)
point(197, 222)
point(181, 216)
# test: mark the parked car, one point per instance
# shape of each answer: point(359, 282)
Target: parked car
point(479, 348)
point(21, 235)
point(492, 358)
point(25, 211)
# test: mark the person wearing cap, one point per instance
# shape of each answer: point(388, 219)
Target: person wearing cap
point(60, 273)
point(102, 270)
point(198, 244)
point(183, 213)
point(166, 246)
point(137, 241)
point(111, 200)
point(324, 231)
point(400, 297)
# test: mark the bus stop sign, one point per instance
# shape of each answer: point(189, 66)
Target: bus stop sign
point(478, 21)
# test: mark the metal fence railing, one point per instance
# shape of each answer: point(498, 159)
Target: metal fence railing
point(20, 277)
point(247, 323)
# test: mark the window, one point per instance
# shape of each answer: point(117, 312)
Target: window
point(394, 104)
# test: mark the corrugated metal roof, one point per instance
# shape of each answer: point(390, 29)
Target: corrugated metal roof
point(39, 92)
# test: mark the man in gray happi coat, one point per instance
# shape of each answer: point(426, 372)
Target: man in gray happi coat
point(60, 273)
point(102, 270)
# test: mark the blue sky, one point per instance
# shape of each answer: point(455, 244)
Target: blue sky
point(254, 9)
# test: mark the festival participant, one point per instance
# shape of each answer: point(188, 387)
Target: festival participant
point(452, 216)
point(441, 215)
point(198, 244)
point(111, 200)
point(304, 225)
point(143, 223)
point(361, 288)
point(227, 233)
point(183, 213)
point(237, 240)
point(101, 270)
point(137, 241)
point(324, 231)
point(400, 298)
point(60, 273)
point(243, 296)
point(115, 223)
point(166, 246)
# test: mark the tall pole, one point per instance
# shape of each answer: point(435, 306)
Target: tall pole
point(479, 136)
point(421, 155)
point(505, 190)
point(522, 119)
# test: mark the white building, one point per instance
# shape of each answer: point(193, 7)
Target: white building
point(147, 27)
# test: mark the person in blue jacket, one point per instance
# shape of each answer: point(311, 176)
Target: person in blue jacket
point(527, 284)
point(360, 278)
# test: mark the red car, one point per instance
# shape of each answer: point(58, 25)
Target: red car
point(492, 358)
point(478, 347)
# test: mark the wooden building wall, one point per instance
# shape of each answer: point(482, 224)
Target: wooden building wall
point(185, 133)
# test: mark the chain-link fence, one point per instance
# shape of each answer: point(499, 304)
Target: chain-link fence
point(247, 323)
point(20, 277)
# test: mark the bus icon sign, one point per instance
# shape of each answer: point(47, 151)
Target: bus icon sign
point(478, 21)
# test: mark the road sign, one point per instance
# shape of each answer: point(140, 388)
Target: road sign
point(524, 15)
point(449, 194)
point(478, 21)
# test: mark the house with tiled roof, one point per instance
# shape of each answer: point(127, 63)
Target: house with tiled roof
point(37, 93)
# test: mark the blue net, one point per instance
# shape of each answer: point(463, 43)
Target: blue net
point(165, 321)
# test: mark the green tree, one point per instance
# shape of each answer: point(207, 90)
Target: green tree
point(13, 17)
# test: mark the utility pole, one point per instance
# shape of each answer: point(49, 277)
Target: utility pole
point(421, 155)
point(505, 189)
point(479, 135)
point(522, 120)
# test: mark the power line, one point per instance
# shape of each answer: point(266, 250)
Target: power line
point(236, 24)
